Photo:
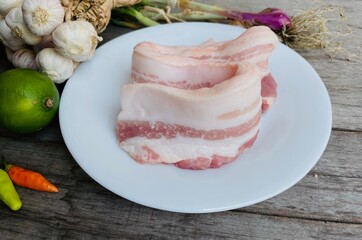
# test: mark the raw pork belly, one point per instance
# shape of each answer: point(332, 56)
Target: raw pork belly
point(178, 71)
point(200, 106)
point(197, 129)
point(166, 64)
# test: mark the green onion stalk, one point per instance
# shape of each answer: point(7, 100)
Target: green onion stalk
point(160, 15)
point(134, 13)
point(274, 18)
point(308, 29)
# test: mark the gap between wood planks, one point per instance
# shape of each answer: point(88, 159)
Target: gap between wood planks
point(346, 130)
point(296, 217)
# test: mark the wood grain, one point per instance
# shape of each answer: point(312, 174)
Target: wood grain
point(325, 204)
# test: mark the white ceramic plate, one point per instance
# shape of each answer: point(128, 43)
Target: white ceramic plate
point(293, 134)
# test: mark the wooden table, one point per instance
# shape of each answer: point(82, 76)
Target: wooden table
point(325, 204)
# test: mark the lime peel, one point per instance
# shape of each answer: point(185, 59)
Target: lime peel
point(29, 100)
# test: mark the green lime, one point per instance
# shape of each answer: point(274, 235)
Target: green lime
point(29, 100)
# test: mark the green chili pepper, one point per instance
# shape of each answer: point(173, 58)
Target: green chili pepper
point(8, 193)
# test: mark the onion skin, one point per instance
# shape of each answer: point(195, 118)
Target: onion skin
point(274, 18)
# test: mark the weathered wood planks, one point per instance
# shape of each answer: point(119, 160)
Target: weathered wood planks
point(325, 204)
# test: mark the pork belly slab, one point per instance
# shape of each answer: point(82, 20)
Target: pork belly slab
point(192, 128)
point(197, 107)
point(173, 65)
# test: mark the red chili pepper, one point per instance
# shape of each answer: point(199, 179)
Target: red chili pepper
point(29, 179)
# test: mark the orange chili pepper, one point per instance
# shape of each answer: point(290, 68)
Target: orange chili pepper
point(29, 179)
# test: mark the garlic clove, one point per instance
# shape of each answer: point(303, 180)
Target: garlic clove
point(54, 65)
point(76, 40)
point(14, 20)
point(42, 16)
point(7, 5)
point(8, 39)
point(24, 58)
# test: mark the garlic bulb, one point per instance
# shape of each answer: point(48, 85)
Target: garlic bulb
point(15, 22)
point(42, 16)
point(7, 5)
point(54, 65)
point(24, 58)
point(76, 40)
point(8, 39)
